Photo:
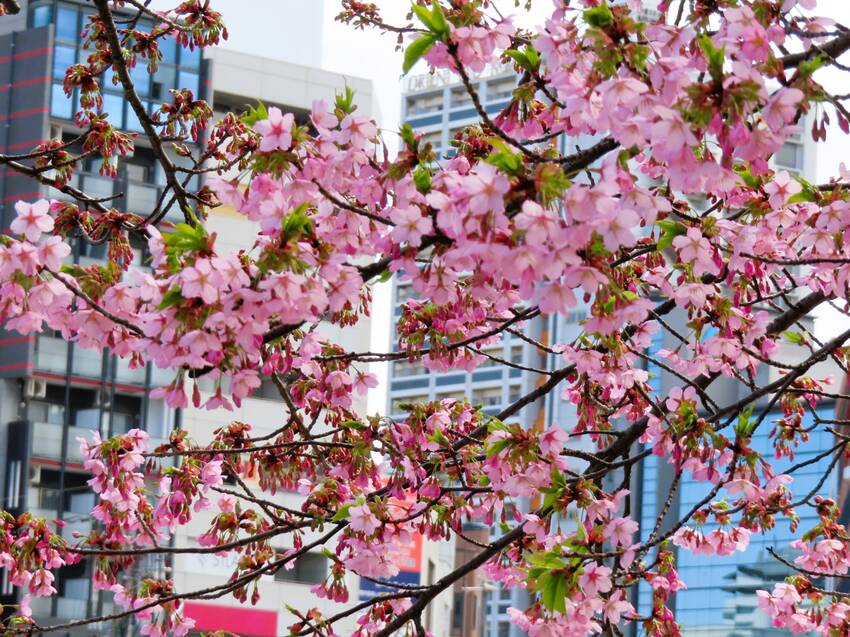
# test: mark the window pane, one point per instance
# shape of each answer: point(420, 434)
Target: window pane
point(114, 105)
point(189, 81)
point(168, 47)
point(63, 57)
point(788, 155)
point(141, 78)
point(190, 58)
point(60, 106)
point(310, 568)
point(164, 79)
point(133, 123)
point(66, 23)
point(41, 16)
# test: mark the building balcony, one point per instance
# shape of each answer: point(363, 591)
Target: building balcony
point(68, 609)
point(47, 442)
point(43, 502)
point(51, 355)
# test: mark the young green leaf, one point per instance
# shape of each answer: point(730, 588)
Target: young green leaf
point(417, 49)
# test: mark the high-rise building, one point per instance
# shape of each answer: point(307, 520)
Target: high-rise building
point(52, 391)
point(720, 600)
point(439, 107)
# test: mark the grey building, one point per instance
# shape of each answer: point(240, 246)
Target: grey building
point(51, 391)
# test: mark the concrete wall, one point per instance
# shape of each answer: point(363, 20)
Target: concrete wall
point(252, 78)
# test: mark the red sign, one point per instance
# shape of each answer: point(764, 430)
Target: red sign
point(249, 622)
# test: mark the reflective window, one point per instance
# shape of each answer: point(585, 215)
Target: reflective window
point(114, 105)
point(133, 123)
point(190, 81)
point(168, 48)
point(141, 78)
point(63, 57)
point(190, 58)
point(41, 15)
point(310, 568)
point(790, 155)
point(67, 27)
point(164, 79)
point(60, 105)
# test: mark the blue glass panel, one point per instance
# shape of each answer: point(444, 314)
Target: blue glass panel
point(141, 78)
point(464, 114)
point(168, 47)
point(133, 123)
point(417, 122)
point(114, 105)
point(67, 27)
point(60, 105)
point(190, 58)
point(455, 379)
point(41, 15)
point(190, 81)
point(164, 80)
point(409, 384)
point(63, 57)
point(487, 374)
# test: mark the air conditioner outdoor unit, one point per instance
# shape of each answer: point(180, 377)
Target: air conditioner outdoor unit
point(35, 388)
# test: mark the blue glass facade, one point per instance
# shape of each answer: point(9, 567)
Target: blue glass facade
point(180, 67)
point(720, 600)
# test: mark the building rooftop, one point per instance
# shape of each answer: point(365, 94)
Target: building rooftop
point(240, 75)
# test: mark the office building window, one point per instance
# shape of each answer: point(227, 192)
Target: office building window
point(460, 97)
point(790, 156)
point(41, 15)
point(310, 568)
point(427, 103)
point(406, 368)
point(403, 293)
point(502, 89)
point(488, 397)
point(457, 611)
point(408, 400)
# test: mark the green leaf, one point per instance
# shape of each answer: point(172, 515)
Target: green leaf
point(808, 193)
point(434, 20)
point(342, 514)
point(497, 447)
point(296, 223)
point(255, 114)
point(527, 59)
point(794, 337)
point(670, 229)
point(554, 593)
point(439, 438)
point(422, 179)
point(745, 427)
point(808, 67)
point(551, 182)
point(599, 17)
point(345, 100)
point(504, 158)
point(408, 136)
point(714, 56)
point(417, 49)
point(172, 297)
